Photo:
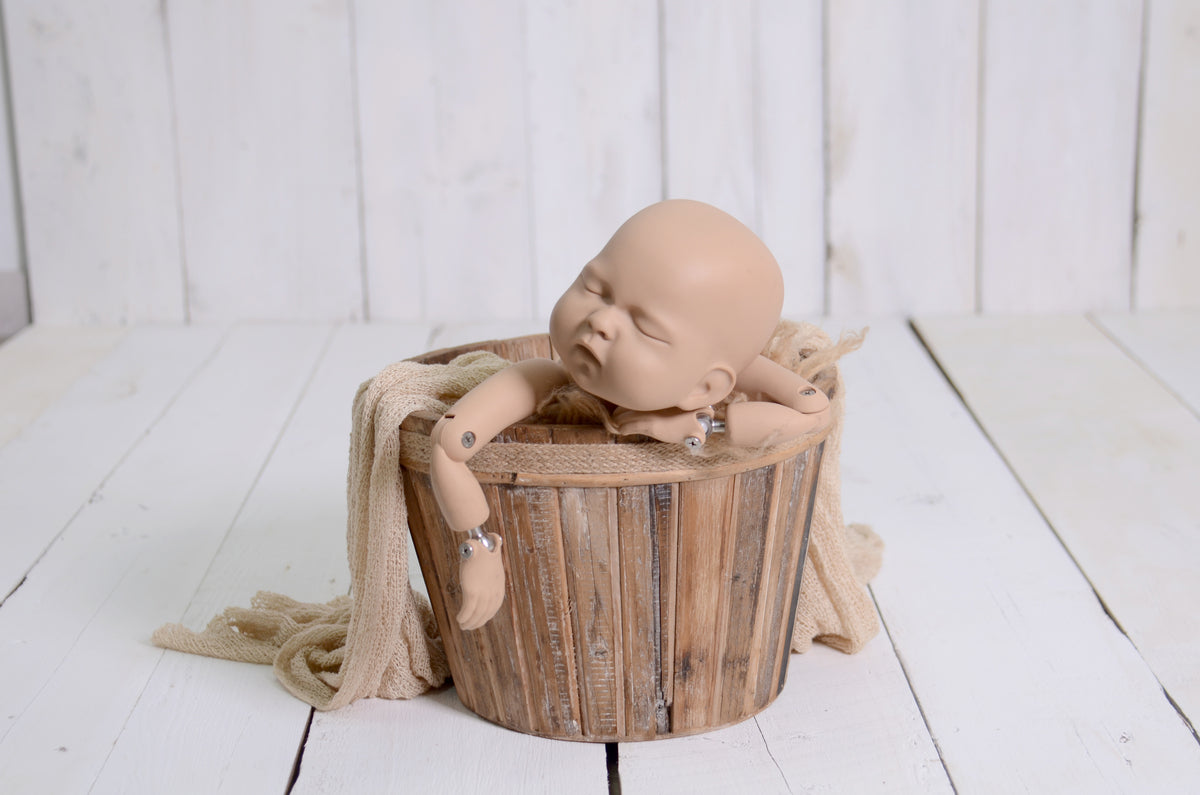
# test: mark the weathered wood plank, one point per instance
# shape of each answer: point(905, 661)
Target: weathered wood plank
point(1059, 118)
point(1112, 460)
point(747, 541)
point(1166, 343)
point(903, 94)
point(63, 457)
point(267, 159)
point(592, 560)
point(132, 557)
point(40, 363)
point(537, 560)
point(227, 727)
point(1023, 678)
point(95, 148)
point(642, 620)
point(592, 87)
point(704, 510)
point(1168, 211)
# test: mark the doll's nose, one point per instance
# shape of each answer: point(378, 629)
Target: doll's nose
point(603, 322)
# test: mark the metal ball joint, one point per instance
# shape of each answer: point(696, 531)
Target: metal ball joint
point(710, 425)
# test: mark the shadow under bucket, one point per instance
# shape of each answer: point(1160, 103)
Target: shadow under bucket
point(657, 601)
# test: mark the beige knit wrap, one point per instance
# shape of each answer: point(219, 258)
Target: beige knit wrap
point(382, 641)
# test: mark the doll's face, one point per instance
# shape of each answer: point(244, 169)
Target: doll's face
point(679, 301)
point(627, 331)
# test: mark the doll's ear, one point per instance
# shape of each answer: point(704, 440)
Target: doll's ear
point(714, 387)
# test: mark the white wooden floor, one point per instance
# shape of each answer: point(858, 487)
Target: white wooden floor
point(1036, 480)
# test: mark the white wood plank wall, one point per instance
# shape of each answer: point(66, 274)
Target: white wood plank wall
point(191, 160)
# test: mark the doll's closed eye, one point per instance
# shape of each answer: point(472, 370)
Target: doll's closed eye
point(648, 327)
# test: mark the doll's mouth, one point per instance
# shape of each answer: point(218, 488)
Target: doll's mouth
point(587, 357)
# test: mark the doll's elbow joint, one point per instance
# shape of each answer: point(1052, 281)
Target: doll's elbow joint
point(454, 437)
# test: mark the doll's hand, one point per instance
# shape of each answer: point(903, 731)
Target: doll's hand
point(481, 574)
point(667, 425)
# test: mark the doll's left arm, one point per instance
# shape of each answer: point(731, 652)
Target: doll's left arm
point(763, 379)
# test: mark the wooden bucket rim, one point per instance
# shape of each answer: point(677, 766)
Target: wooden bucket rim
point(679, 465)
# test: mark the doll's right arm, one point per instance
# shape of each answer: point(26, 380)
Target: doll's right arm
point(508, 396)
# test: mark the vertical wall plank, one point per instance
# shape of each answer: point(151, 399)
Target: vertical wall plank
point(264, 103)
point(790, 169)
point(445, 158)
point(96, 160)
point(1168, 232)
point(708, 77)
point(902, 155)
point(1060, 84)
point(396, 73)
point(594, 131)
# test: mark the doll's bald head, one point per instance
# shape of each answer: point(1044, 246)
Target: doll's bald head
point(719, 270)
point(679, 301)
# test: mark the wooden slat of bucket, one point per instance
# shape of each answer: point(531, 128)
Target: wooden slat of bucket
point(533, 536)
point(491, 679)
point(795, 507)
point(507, 661)
point(641, 642)
point(665, 501)
point(704, 512)
point(773, 535)
point(436, 569)
point(589, 519)
point(782, 577)
point(749, 534)
point(804, 512)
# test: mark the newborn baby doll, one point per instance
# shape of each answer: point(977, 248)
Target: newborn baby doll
point(667, 319)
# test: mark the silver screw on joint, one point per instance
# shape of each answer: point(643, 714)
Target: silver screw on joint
point(468, 440)
point(465, 550)
point(477, 534)
point(809, 392)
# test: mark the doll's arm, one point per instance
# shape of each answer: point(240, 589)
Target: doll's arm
point(787, 406)
point(765, 380)
point(668, 425)
point(507, 397)
point(783, 406)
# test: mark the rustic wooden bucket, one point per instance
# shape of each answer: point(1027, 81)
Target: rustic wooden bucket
point(638, 605)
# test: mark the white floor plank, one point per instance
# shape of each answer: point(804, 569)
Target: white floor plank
point(75, 634)
point(40, 363)
point(1166, 343)
point(381, 746)
point(434, 744)
point(1024, 681)
point(844, 723)
point(1110, 456)
point(206, 726)
point(52, 468)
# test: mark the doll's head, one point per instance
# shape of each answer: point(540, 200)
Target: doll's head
point(680, 300)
